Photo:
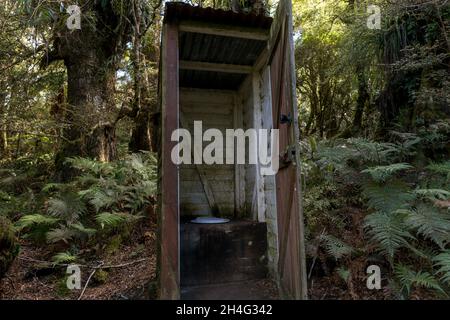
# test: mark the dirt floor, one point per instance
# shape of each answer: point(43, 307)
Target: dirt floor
point(125, 274)
point(264, 289)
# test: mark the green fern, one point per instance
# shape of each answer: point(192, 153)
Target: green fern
point(87, 165)
point(82, 229)
point(433, 194)
point(409, 278)
point(33, 220)
point(63, 258)
point(441, 168)
point(430, 223)
point(335, 247)
point(103, 199)
point(113, 220)
point(67, 206)
point(374, 152)
point(382, 173)
point(343, 273)
point(387, 197)
point(389, 231)
point(442, 261)
point(62, 233)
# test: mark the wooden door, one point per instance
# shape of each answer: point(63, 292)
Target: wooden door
point(291, 264)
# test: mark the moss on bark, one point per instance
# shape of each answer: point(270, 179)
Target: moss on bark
point(9, 247)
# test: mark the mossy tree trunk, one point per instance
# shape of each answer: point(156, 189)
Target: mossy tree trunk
point(90, 56)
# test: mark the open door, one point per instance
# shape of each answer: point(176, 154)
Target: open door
point(291, 263)
point(168, 256)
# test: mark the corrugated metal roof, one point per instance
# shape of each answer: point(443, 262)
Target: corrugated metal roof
point(209, 48)
point(178, 11)
point(219, 49)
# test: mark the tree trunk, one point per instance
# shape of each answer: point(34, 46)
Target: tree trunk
point(90, 56)
point(141, 135)
point(91, 128)
point(363, 98)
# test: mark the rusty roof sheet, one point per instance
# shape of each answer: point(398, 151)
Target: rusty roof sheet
point(178, 11)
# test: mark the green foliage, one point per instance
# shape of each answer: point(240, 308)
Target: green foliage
point(113, 220)
point(63, 258)
point(381, 173)
point(402, 220)
point(433, 194)
point(442, 261)
point(441, 168)
point(105, 197)
point(67, 206)
point(35, 220)
point(387, 197)
point(343, 273)
point(410, 278)
point(389, 231)
point(9, 246)
point(335, 247)
point(430, 223)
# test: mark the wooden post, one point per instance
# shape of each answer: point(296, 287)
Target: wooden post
point(169, 273)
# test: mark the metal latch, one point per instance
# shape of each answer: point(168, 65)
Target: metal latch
point(286, 119)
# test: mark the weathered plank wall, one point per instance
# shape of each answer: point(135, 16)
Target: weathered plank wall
point(215, 110)
point(245, 95)
point(270, 196)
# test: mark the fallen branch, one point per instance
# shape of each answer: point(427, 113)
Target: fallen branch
point(82, 265)
point(89, 279)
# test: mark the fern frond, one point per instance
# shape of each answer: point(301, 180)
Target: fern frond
point(111, 220)
point(433, 194)
point(442, 167)
point(387, 197)
point(63, 258)
point(52, 186)
point(62, 233)
point(343, 273)
point(82, 229)
point(335, 247)
point(409, 278)
point(67, 206)
point(91, 166)
point(388, 231)
point(371, 151)
point(32, 220)
point(382, 173)
point(442, 261)
point(102, 199)
point(430, 223)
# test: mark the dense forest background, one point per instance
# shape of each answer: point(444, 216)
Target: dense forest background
point(78, 170)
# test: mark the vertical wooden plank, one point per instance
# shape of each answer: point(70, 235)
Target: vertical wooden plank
point(257, 124)
point(291, 266)
point(301, 260)
point(239, 182)
point(203, 178)
point(269, 181)
point(169, 273)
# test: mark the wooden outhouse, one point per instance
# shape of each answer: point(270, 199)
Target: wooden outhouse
point(230, 71)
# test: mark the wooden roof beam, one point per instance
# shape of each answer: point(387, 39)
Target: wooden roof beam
point(225, 31)
point(215, 67)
